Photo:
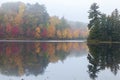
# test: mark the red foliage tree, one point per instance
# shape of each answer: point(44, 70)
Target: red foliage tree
point(15, 31)
point(44, 33)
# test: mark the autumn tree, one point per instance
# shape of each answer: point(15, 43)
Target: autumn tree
point(19, 16)
point(31, 21)
point(37, 32)
point(53, 22)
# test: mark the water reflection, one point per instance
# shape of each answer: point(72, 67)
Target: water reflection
point(103, 56)
point(17, 59)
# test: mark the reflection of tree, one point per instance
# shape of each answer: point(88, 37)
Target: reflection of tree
point(103, 56)
point(18, 59)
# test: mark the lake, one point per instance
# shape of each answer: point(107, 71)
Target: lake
point(59, 61)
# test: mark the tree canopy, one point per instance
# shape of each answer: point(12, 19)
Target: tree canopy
point(32, 21)
point(103, 27)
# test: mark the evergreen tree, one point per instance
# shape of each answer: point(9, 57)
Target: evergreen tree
point(102, 27)
point(94, 24)
point(94, 15)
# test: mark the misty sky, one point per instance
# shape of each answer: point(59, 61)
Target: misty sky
point(75, 10)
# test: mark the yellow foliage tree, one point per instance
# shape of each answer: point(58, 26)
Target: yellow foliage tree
point(18, 18)
point(64, 33)
point(53, 21)
point(76, 33)
point(51, 31)
point(37, 32)
point(69, 34)
point(59, 34)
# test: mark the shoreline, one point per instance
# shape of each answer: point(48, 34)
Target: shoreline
point(43, 40)
point(102, 42)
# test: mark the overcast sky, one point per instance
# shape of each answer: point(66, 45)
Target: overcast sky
point(75, 10)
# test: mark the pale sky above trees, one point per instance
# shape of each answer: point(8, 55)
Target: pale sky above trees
point(75, 10)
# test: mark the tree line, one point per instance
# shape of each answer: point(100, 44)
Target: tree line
point(31, 21)
point(103, 27)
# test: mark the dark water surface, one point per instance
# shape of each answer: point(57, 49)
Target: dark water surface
point(59, 61)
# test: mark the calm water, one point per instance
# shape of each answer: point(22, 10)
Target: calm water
point(59, 61)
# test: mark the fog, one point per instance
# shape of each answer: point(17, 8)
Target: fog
point(75, 10)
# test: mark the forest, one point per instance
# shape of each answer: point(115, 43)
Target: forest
point(103, 27)
point(32, 21)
